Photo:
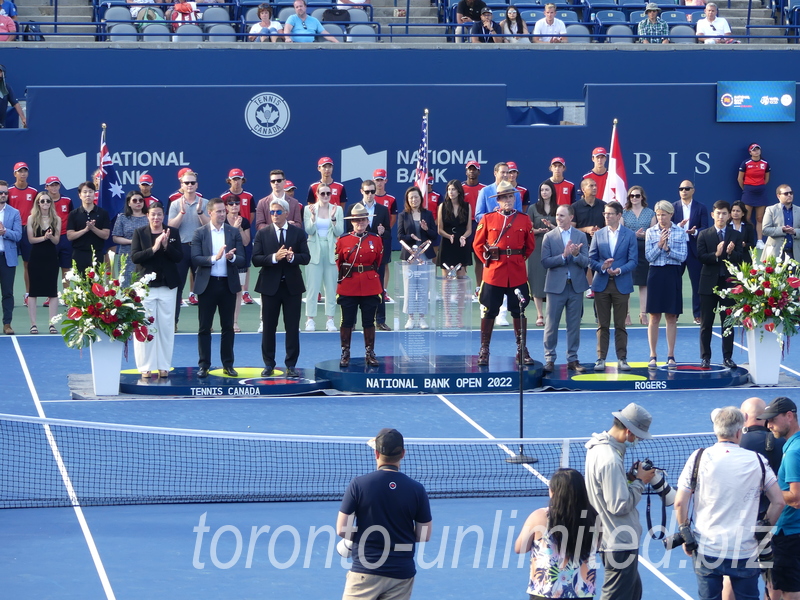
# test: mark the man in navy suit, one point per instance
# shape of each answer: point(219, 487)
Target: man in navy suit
point(217, 256)
point(613, 256)
point(280, 249)
point(10, 234)
point(693, 217)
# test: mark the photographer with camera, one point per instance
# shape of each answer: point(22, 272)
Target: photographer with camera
point(616, 499)
point(726, 482)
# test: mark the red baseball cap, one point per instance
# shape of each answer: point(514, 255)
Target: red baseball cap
point(325, 160)
point(558, 159)
point(512, 166)
point(379, 174)
point(183, 172)
point(20, 165)
point(52, 179)
point(753, 147)
point(474, 163)
point(288, 185)
point(148, 179)
point(430, 177)
point(599, 151)
point(235, 173)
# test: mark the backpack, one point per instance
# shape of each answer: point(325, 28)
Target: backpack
point(32, 32)
point(146, 16)
point(336, 15)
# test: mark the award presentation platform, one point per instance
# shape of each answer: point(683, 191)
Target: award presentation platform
point(449, 374)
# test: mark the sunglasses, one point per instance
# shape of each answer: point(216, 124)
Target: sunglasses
point(3, 193)
point(45, 202)
point(787, 193)
point(233, 202)
point(685, 189)
point(190, 183)
point(137, 199)
point(368, 191)
point(324, 193)
point(634, 195)
point(275, 180)
point(276, 212)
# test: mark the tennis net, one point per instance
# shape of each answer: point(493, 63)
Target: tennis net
point(53, 462)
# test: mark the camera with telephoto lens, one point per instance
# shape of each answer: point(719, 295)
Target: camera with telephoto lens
point(659, 482)
point(765, 555)
point(684, 537)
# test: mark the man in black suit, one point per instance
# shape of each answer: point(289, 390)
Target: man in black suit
point(715, 245)
point(379, 223)
point(280, 249)
point(217, 256)
point(693, 217)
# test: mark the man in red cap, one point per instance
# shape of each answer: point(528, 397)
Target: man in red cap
point(431, 201)
point(177, 195)
point(236, 181)
point(338, 193)
point(146, 188)
point(390, 202)
point(472, 188)
point(62, 206)
point(21, 197)
point(599, 172)
point(513, 173)
point(565, 190)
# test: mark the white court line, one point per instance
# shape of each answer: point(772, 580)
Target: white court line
point(87, 534)
point(669, 583)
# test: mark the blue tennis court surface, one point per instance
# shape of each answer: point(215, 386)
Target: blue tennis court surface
point(284, 549)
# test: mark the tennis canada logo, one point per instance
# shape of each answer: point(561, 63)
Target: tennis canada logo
point(267, 115)
point(726, 100)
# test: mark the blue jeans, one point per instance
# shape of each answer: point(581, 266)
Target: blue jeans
point(709, 578)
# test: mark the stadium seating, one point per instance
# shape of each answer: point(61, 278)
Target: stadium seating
point(605, 18)
point(567, 16)
point(334, 29)
point(681, 30)
point(619, 30)
point(221, 32)
point(156, 32)
point(674, 17)
point(121, 32)
point(577, 29)
point(362, 33)
point(188, 32)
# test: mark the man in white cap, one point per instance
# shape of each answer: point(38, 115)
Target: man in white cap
point(615, 499)
point(382, 516)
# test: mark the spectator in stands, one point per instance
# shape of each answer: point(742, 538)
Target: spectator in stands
point(10, 8)
point(486, 31)
point(599, 172)
point(693, 3)
point(549, 30)
point(266, 29)
point(565, 190)
point(183, 12)
point(713, 29)
point(146, 189)
point(308, 28)
point(513, 173)
point(136, 6)
point(653, 29)
point(514, 26)
point(8, 29)
point(7, 97)
point(338, 193)
point(468, 12)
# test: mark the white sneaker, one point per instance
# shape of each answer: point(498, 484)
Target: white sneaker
point(501, 320)
point(410, 323)
point(330, 325)
point(760, 244)
point(423, 324)
point(310, 325)
point(260, 327)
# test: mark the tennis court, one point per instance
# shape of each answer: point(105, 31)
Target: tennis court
point(256, 549)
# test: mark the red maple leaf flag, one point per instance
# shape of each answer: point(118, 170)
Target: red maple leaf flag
point(617, 181)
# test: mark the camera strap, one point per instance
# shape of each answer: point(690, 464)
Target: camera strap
point(660, 535)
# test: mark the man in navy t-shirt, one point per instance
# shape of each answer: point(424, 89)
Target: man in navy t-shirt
point(391, 513)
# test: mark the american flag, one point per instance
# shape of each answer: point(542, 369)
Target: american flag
point(110, 195)
point(422, 159)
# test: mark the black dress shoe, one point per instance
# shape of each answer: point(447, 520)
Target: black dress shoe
point(267, 372)
point(574, 365)
point(705, 364)
point(549, 366)
point(202, 372)
point(729, 363)
point(230, 371)
point(292, 372)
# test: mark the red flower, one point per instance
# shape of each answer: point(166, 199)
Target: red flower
point(135, 323)
point(109, 293)
point(767, 285)
point(116, 281)
point(149, 337)
point(728, 311)
point(117, 303)
point(767, 312)
point(98, 290)
point(759, 292)
point(90, 275)
point(772, 301)
point(116, 333)
point(151, 319)
point(99, 306)
point(748, 323)
point(114, 318)
point(137, 299)
point(794, 282)
point(753, 272)
point(74, 313)
point(108, 273)
point(737, 290)
point(140, 335)
point(747, 308)
point(769, 326)
point(768, 270)
point(143, 329)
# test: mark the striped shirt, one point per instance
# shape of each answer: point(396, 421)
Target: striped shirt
point(678, 246)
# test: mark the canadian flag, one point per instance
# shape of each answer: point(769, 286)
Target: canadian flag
point(617, 181)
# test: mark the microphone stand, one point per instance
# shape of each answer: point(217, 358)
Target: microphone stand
point(521, 458)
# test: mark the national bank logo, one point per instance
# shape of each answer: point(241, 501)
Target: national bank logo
point(267, 115)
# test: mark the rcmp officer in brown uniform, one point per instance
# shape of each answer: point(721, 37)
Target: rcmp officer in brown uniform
point(358, 256)
point(503, 242)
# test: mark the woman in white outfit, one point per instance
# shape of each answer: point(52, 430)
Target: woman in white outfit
point(323, 223)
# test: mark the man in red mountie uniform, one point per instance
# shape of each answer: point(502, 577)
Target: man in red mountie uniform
point(62, 206)
point(503, 241)
point(599, 172)
point(565, 190)
point(513, 173)
point(21, 197)
point(235, 182)
point(338, 193)
point(146, 188)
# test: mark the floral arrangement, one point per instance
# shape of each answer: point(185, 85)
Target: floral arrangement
point(100, 302)
point(765, 294)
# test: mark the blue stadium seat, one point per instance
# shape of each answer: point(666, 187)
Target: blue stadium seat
point(577, 29)
point(121, 32)
point(637, 17)
point(568, 16)
point(682, 30)
point(674, 17)
point(631, 6)
point(366, 33)
point(619, 30)
point(156, 32)
point(223, 33)
point(188, 32)
point(605, 18)
point(531, 15)
point(117, 13)
point(334, 29)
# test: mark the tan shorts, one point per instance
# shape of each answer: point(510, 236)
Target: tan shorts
point(363, 586)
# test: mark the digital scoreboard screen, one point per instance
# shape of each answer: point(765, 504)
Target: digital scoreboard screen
point(756, 101)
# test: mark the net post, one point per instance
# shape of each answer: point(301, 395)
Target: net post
point(565, 453)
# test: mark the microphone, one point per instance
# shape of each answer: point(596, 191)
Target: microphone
point(519, 295)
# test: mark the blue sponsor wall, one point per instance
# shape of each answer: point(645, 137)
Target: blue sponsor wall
point(363, 109)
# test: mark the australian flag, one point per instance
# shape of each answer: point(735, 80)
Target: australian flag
point(422, 158)
point(110, 195)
